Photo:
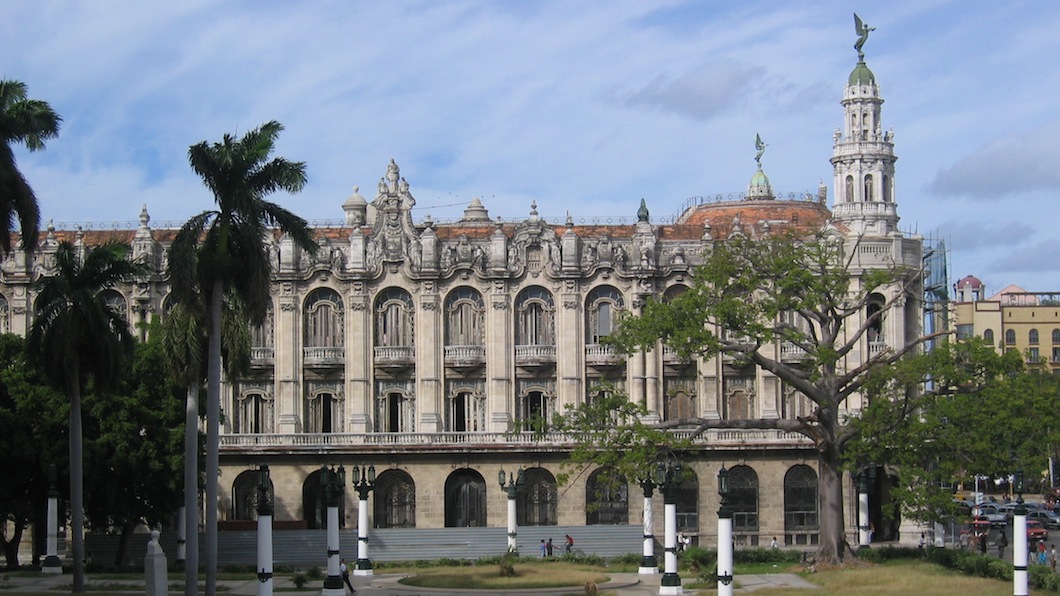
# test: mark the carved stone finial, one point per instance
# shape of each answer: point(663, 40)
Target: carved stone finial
point(145, 218)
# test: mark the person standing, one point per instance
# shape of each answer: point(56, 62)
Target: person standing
point(543, 548)
point(548, 547)
point(773, 543)
point(1002, 542)
point(569, 545)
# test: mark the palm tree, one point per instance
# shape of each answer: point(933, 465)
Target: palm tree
point(76, 336)
point(27, 122)
point(224, 249)
point(183, 335)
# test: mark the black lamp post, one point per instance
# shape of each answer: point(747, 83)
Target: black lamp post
point(511, 485)
point(265, 511)
point(669, 475)
point(725, 555)
point(363, 483)
point(648, 563)
point(1019, 539)
point(333, 481)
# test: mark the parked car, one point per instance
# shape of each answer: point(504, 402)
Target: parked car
point(1035, 531)
point(1048, 519)
point(993, 514)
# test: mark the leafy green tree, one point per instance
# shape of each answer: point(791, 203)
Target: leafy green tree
point(27, 122)
point(224, 249)
point(75, 337)
point(134, 454)
point(978, 412)
point(32, 417)
point(800, 292)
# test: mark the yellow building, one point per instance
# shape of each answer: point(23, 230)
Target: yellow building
point(1012, 319)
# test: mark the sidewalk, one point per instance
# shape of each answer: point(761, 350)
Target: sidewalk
point(623, 584)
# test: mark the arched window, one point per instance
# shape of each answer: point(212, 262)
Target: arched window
point(888, 192)
point(465, 411)
point(323, 319)
point(686, 502)
point(536, 502)
point(849, 198)
point(323, 412)
point(394, 319)
point(116, 303)
point(743, 498)
point(535, 410)
point(314, 505)
point(1056, 335)
point(874, 313)
point(800, 505)
point(1032, 337)
point(535, 318)
point(680, 404)
point(1010, 336)
point(465, 500)
point(601, 313)
point(5, 316)
point(395, 412)
point(395, 500)
point(245, 495)
point(988, 335)
point(739, 405)
point(464, 318)
point(869, 194)
point(255, 413)
point(607, 498)
point(262, 337)
point(794, 403)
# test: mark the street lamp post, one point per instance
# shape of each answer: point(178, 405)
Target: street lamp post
point(333, 481)
point(1019, 539)
point(265, 510)
point(866, 478)
point(514, 484)
point(725, 558)
point(671, 474)
point(648, 564)
point(363, 483)
point(52, 564)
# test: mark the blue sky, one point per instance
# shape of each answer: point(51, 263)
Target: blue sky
point(583, 107)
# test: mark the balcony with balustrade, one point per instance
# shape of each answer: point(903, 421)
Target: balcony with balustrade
point(395, 356)
point(465, 356)
point(262, 357)
point(601, 355)
point(535, 355)
point(324, 357)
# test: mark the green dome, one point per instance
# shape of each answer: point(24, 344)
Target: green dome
point(861, 75)
point(759, 188)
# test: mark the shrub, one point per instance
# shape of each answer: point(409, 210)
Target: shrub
point(299, 579)
point(767, 555)
point(697, 559)
point(889, 553)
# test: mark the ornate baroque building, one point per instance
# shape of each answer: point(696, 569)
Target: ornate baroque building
point(425, 349)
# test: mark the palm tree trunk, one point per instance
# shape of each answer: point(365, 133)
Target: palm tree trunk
point(213, 434)
point(191, 492)
point(77, 479)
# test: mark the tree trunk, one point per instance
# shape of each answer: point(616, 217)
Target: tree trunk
point(10, 547)
point(121, 558)
point(832, 545)
point(213, 433)
point(191, 491)
point(77, 479)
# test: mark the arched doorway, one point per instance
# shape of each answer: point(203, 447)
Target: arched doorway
point(395, 500)
point(536, 502)
point(465, 500)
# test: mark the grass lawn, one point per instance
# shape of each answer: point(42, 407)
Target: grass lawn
point(527, 576)
point(899, 579)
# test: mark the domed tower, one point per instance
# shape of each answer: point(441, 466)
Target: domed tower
point(863, 154)
point(759, 189)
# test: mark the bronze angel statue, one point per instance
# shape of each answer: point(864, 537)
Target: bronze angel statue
point(761, 148)
point(862, 29)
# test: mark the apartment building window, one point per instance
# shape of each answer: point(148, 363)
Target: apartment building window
point(965, 331)
point(323, 319)
point(988, 335)
point(395, 500)
point(1010, 336)
point(602, 306)
point(535, 318)
point(394, 323)
point(395, 413)
point(323, 413)
point(1033, 356)
point(743, 497)
point(465, 412)
point(255, 414)
point(465, 314)
point(1032, 336)
point(1056, 336)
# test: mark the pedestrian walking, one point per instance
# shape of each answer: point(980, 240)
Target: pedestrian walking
point(569, 545)
point(548, 547)
point(346, 575)
point(543, 548)
point(1002, 542)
